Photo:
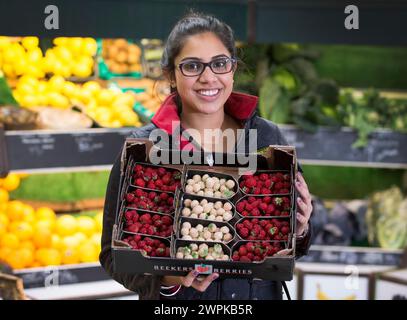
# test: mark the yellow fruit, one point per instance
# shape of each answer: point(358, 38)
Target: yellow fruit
point(88, 253)
point(66, 225)
point(23, 230)
point(11, 182)
point(27, 256)
point(26, 79)
point(27, 245)
point(3, 219)
point(45, 224)
point(34, 56)
point(56, 83)
point(58, 100)
point(70, 242)
point(28, 213)
point(99, 221)
point(86, 225)
point(4, 197)
point(42, 238)
point(48, 257)
point(81, 237)
point(89, 47)
point(5, 252)
point(82, 70)
point(3, 229)
point(45, 213)
point(9, 240)
point(18, 258)
point(30, 42)
point(56, 242)
point(69, 255)
point(105, 97)
point(63, 53)
point(93, 86)
point(15, 210)
point(69, 89)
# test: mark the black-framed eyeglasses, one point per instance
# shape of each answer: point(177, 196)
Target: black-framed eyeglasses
point(195, 68)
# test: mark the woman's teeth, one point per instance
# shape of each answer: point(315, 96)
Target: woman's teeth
point(208, 93)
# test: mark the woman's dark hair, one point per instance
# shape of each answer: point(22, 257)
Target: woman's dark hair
point(191, 24)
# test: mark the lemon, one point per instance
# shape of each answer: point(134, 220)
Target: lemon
point(45, 213)
point(34, 56)
point(9, 240)
point(11, 182)
point(27, 79)
point(81, 237)
point(88, 252)
point(4, 197)
point(48, 257)
point(4, 220)
point(19, 259)
point(105, 97)
point(56, 83)
point(63, 53)
point(5, 252)
point(89, 47)
point(66, 225)
point(82, 70)
point(70, 242)
point(15, 210)
point(3, 229)
point(8, 70)
point(69, 89)
point(30, 42)
point(45, 224)
point(60, 41)
point(92, 86)
point(23, 230)
point(56, 242)
point(59, 101)
point(86, 225)
point(69, 255)
point(27, 245)
point(42, 237)
point(99, 221)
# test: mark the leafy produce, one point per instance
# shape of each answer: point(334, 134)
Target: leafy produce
point(387, 219)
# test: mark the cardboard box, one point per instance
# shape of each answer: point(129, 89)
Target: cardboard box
point(128, 260)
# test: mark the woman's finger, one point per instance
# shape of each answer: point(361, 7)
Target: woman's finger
point(189, 279)
point(204, 284)
point(302, 206)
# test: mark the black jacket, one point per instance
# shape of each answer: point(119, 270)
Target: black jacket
point(243, 108)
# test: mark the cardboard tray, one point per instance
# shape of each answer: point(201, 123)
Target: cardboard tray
point(130, 261)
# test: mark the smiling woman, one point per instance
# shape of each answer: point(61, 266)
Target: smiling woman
point(200, 61)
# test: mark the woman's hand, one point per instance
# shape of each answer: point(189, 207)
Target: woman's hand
point(190, 280)
point(304, 205)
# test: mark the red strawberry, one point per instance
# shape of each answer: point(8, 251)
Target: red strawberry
point(130, 197)
point(263, 176)
point(166, 220)
point(133, 228)
point(242, 251)
point(236, 257)
point(166, 179)
point(240, 206)
point(245, 259)
point(140, 183)
point(285, 230)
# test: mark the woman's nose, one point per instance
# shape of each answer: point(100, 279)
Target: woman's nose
point(207, 75)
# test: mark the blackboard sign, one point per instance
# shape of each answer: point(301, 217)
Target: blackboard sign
point(54, 276)
point(385, 149)
point(353, 256)
point(51, 149)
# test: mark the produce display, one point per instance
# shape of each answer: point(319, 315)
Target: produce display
point(203, 214)
point(121, 56)
point(387, 219)
point(38, 237)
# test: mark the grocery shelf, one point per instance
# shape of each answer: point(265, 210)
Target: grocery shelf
point(330, 146)
point(53, 151)
point(96, 149)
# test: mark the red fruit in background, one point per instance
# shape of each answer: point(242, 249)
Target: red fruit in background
point(278, 186)
point(166, 179)
point(267, 199)
point(139, 192)
point(250, 255)
point(251, 200)
point(152, 195)
point(250, 183)
point(244, 233)
point(170, 201)
point(151, 185)
point(245, 259)
point(138, 168)
point(156, 217)
point(258, 251)
point(268, 184)
point(265, 191)
point(129, 215)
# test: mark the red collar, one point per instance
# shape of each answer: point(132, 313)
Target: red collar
point(239, 105)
